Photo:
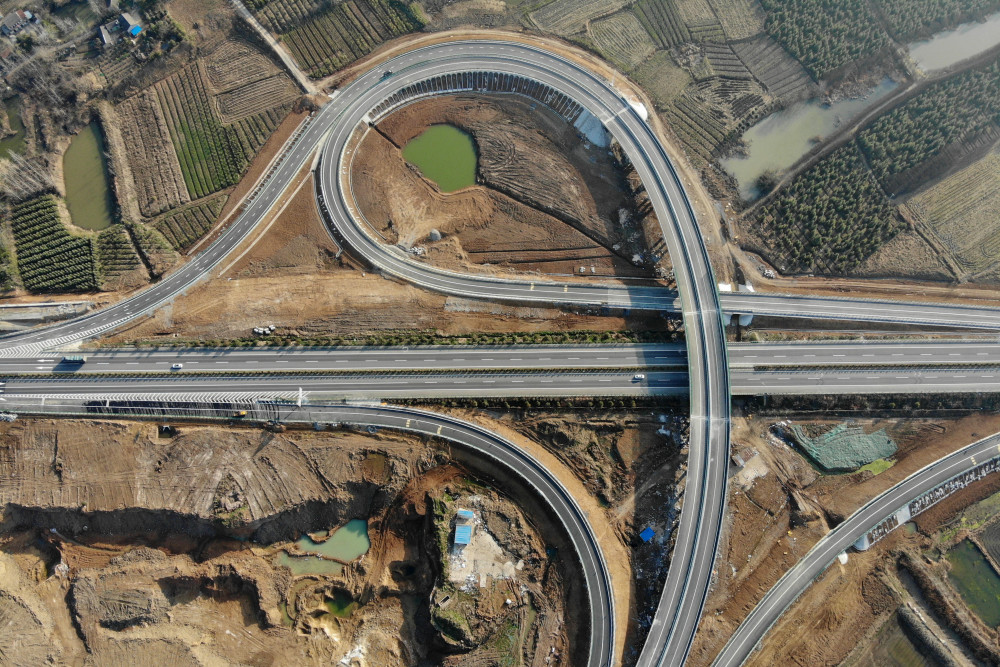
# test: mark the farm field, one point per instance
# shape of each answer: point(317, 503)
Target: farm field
point(568, 17)
point(184, 227)
point(963, 211)
point(256, 97)
point(663, 23)
point(116, 257)
point(825, 35)
point(157, 176)
point(908, 20)
point(783, 76)
point(740, 19)
point(325, 37)
point(900, 146)
point(828, 220)
point(622, 39)
point(49, 258)
point(212, 156)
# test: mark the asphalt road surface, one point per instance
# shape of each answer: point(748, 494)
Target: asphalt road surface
point(837, 354)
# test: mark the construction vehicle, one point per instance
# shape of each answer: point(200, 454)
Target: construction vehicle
point(240, 413)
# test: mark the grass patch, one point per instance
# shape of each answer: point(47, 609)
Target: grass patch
point(878, 466)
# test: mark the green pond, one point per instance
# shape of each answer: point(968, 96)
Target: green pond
point(341, 604)
point(444, 154)
point(975, 581)
point(88, 193)
point(15, 142)
point(347, 543)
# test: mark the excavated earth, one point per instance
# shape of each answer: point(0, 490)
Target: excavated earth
point(120, 545)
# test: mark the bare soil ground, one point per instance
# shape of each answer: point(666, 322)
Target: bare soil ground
point(291, 277)
point(132, 543)
point(780, 506)
point(544, 202)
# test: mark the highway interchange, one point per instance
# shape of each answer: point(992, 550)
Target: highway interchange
point(707, 379)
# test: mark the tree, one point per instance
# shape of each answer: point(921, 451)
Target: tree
point(26, 41)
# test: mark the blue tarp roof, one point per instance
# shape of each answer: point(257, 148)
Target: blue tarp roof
point(463, 534)
point(647, 534)
point(135, 30)
point(465, 514)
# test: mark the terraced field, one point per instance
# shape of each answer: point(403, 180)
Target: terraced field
point(183, 228)
point(740, 19)
point(661, 20)
point(568, 17)
point(49, 258)
point(323, 37)
point(770, 64)
point(256, 97)
point(116, 255)
point(725, 62)
point(234, 63)
point(963, 211)
point(622, 38)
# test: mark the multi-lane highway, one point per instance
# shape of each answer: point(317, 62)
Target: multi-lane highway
point(835, 355)
point(237, 386)
point(696, 540)
point(697, 537)
point(838, 540)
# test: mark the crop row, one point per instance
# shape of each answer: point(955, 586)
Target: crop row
point(341, 33)
point(662, 22)
point(250, 133)
point(183, 228)
point(958, 109)
point(209, 159)
point(829, 219)
point(115, 253)
point(256, 97)
point(49, 258)
point(825, 35)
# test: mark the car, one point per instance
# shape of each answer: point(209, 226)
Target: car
point(638, 377)
point(177, 367)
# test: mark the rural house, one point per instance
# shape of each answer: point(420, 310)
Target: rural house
point(13, 22)
point(127, 24)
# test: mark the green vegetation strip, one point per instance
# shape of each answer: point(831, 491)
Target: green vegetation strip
point(408, 337)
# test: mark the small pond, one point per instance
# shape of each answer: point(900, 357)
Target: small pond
point(976, 582)
point(953, 46)
point(88, 191)
point(347, 543)
point(780, 139)
point(445, 155)
point(15, 142)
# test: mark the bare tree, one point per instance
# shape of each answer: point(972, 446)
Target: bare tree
point(21, 178)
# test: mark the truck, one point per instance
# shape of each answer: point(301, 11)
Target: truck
point(74, 359)
point(240, 413)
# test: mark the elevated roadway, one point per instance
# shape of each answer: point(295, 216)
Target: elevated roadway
point(697, 538)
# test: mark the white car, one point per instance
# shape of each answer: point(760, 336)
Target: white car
point(177, 367)
point(638, 377)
